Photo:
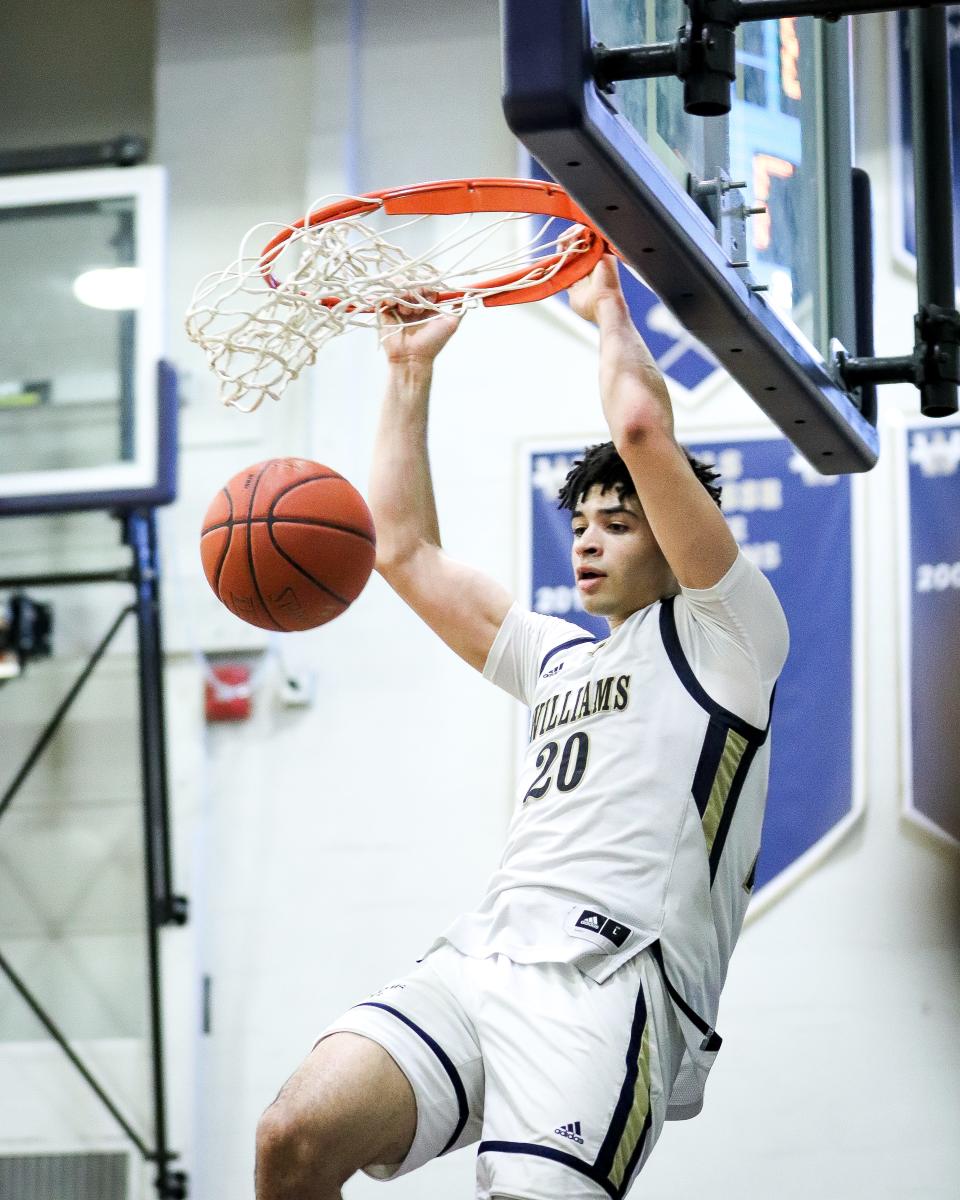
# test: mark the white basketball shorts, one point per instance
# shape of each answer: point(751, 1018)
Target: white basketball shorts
point(563, 1081)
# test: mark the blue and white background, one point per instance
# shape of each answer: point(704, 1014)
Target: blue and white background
point(797, 526)
point(930, 639)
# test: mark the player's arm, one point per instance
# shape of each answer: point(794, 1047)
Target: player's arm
point(688, 526)
point(460, 604)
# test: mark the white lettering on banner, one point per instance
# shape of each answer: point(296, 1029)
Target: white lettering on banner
point(809, 475)
point(765, 555)
point(936, 453)
point(752, 495)
point(742, 496)
point(938, 577)
point(557, 601)
point(550, 473)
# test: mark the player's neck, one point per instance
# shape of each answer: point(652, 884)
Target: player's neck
point(663, 591)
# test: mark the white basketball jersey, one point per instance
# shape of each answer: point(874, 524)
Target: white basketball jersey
point(641, 795)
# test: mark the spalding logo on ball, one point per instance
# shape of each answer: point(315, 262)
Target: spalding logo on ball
point(288, 544)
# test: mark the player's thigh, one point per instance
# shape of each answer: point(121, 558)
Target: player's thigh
point(423, 1021)
point(347, 1105)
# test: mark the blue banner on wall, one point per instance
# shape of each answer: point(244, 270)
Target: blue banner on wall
point(931, 706)
point(796, 525)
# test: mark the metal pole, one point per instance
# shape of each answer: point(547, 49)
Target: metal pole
point(863, 284)
point(765, 10)
point(119, 575)
point(139, 536)
point(933, 175)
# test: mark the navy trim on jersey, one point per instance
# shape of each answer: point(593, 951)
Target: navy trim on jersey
point(445, 1062)
point(736, 787)
point(709, 762)
point(560, 1156)
point(712, 1040)
point(671, 643)
point(624, 1105)
point(563, 646)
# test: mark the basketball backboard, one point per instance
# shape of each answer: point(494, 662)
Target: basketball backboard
point(80, 340)
point(741, 223)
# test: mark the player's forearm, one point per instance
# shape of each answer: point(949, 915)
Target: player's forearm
point(401, 490)
point(634, 396)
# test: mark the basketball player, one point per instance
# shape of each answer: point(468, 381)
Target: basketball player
point(560, 1022)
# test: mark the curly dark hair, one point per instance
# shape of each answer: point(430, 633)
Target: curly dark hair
point(602, 465)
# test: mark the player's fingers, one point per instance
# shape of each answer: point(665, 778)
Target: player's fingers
point(571, 236)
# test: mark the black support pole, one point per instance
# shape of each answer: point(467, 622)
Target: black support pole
point(766, 10)
point(863, 285)
point(933, 175)
point(162, 906)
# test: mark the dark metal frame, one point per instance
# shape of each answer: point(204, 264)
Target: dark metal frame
point(127, 150)
point(557, 98)
point(164, 906)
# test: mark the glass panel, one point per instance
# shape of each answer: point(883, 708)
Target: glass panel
point(774, 147)
point(770, 141)
point(72, 891)
point(66, 363)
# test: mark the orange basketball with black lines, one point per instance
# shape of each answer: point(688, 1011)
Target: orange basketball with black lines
point(288, 544)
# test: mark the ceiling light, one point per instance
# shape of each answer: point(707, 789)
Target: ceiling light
point(110, 287)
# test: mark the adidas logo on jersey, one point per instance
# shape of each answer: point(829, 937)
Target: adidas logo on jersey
point(571, 1131)
point(605, 926)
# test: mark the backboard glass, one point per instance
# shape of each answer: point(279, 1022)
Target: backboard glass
point(80, 338)
point(633, 160)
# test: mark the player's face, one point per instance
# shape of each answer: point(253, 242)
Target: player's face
point(617, 564)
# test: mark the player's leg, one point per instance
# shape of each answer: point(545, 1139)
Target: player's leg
point(395, 1082)
point(348, 1105)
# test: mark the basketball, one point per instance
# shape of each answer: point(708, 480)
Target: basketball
point(287, 544)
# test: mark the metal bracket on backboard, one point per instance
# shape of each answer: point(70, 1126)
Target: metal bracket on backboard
point(723, 202)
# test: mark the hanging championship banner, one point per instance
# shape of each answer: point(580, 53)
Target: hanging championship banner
point(797, 526)
point(930, 630)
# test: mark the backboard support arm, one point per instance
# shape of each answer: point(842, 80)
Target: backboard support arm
point(703, 56)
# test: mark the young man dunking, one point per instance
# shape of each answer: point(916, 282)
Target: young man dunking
point(560, 1022)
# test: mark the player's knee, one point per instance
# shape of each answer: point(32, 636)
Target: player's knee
point(297, 1156)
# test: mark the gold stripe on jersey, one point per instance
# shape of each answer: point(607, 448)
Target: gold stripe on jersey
point(733, 751)
point(636, 1123)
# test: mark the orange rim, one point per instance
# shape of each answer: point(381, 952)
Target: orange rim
point(454, 196)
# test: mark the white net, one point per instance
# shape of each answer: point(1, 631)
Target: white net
point(265, 318)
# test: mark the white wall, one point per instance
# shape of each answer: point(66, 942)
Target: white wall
point(323, 848)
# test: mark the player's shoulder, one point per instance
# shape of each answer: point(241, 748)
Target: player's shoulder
point(560, 639)
point(529, 645)
point(740, 613)
point(743, 588)
point(547, 638)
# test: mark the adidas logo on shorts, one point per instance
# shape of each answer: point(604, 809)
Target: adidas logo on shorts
point(571, 1131)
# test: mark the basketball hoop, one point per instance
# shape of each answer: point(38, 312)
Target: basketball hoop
point(344, 264)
